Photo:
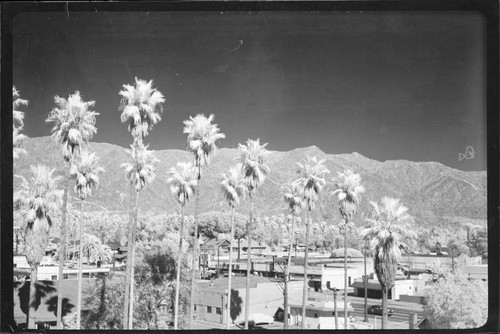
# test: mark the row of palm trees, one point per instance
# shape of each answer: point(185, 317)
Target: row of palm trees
point(74, 126)
point(141, 106)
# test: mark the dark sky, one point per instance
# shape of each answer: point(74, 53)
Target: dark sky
point(386, 85)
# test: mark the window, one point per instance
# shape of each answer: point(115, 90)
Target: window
point(54, 277)
point(195, 307)
point(218, 310)
point(415, 289)
point(209, 309)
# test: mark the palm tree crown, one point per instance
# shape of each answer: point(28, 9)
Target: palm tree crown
point(74, 123)
point(86, 172)
point(182, 181)
point(253, 167)
point(38, 198)
point(294, 197)
point(18, 123)
point(311, 179)
point(232, 186)
point(141, 106)
point(202, 138)
point(17, 115)
point(141, 170)
point(388, 223)
point(348, 189)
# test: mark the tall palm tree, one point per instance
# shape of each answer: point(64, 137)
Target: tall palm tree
point(254, 171)
point(74, 125)
point(139, 172)
point(388, 223)
point(348, 189)
point(18, 123)
point(295, 201)
point(85, 170)
point(141, 106)
point(183, 185)
point(38, 199)
point(202, 138)
point(311, 179)
point(234, 190)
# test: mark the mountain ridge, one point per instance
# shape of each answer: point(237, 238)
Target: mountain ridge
point(431, 190)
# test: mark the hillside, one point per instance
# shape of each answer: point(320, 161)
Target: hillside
point(434, 193)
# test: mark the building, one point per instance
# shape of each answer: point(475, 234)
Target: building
point(402, 286)
point(45, 315)
point(266, 297)
point(319, 314)
point(476, 271)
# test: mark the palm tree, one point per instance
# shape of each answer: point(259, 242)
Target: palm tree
point(254, 171)
point(348, 189)
point(18, 123)
point(86, 173)
point(139, 172)
point(202, 138)
point(141, 106)
point(295, 201)
point(233, 189)
point(311, 179)
point(74, 125)
point(183, 185)
point(38, 198)
point(388, 222)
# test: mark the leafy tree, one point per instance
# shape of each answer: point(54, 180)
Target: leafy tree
point(455, 302)
point(295, 201)
point(86, 173)
point(202, 138)
point(104, 304)
point(233, 190)
point(18, 123)
point(254, 171)
point(183, 185)
point(74, 125)
point(349, 189)
point(311, 179)
point(388, 222)
point(38, 198)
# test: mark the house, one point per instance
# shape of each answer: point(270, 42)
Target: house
point(266, 297)
point(410, 287)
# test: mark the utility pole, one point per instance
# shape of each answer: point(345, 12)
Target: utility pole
point(365, 281)
point(334, 304)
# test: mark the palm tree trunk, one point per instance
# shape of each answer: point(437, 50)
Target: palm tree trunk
point(239, 249)
point(228, 304)
point(80, 277)
point(32, 300)
point(306, 258)
point(129, 258)
point(195, 250)
point(345, 274)
point(249, 263)
point(178, 277)
point(384, 306)
point(132, 265)
point(287, 275)
point(61, 253)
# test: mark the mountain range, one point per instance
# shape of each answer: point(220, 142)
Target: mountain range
point(435, 194)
